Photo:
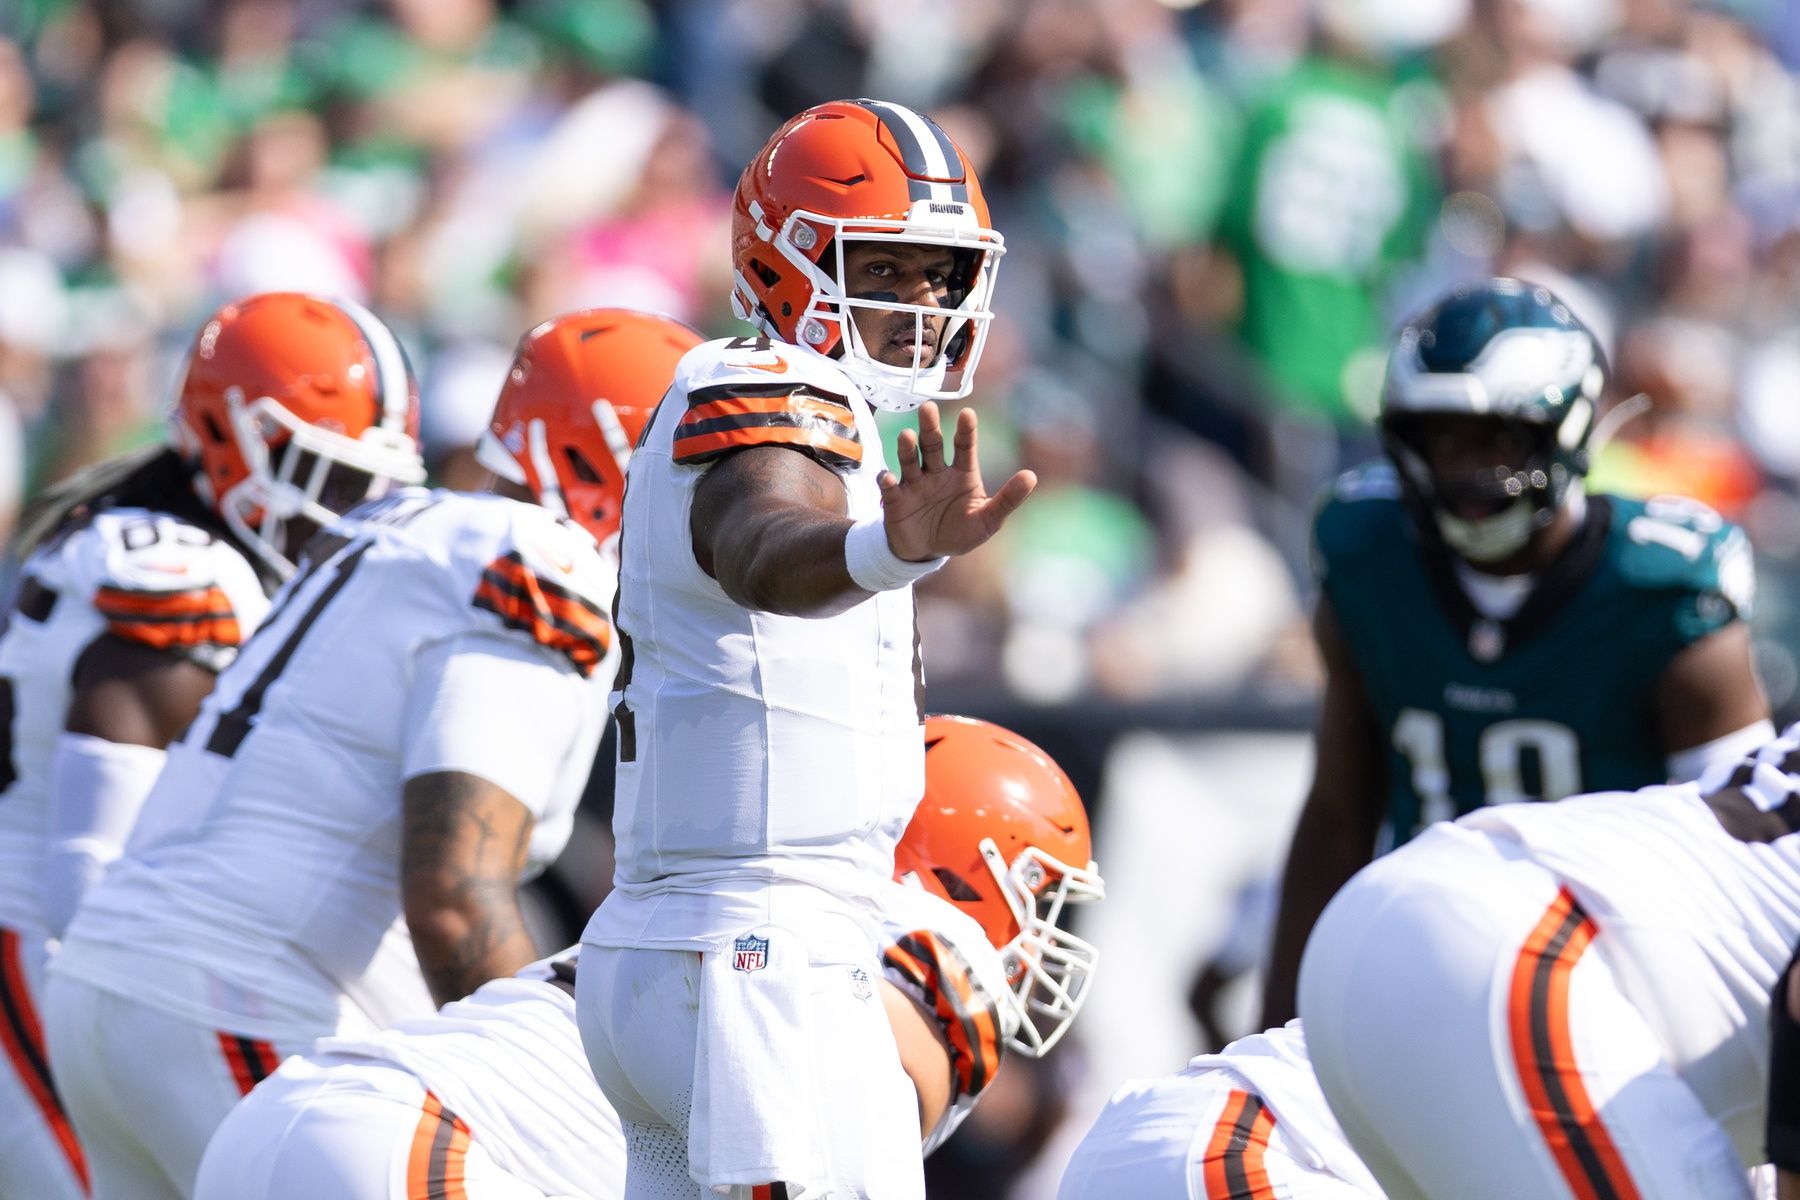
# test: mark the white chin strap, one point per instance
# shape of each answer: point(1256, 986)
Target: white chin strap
point(1490, 539)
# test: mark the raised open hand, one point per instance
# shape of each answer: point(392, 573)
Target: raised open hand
point(937, 508)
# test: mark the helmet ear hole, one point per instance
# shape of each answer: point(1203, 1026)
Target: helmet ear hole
point(213, 429)
point(579, 464)
point(769, 276)
point(955, 886)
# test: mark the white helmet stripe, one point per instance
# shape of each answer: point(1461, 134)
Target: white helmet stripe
point(391, 390)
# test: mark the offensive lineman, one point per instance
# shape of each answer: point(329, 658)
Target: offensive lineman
point(502, 1073)
point(1491, 633)
point(141, 578)
point(770, 702)
point(1565, 1000)
point(337, 841)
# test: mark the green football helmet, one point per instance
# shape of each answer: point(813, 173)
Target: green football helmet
point(1510, 352)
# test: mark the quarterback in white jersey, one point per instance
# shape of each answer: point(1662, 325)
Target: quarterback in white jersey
point(1565, 1000)
point(337, 841)
point(493, 1095)
point(770, 701)
point(141, 578)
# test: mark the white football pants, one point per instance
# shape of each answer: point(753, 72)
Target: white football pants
point(363, 1131)
point(639, 1014)
point(39, 1156)
point(1473, 1043)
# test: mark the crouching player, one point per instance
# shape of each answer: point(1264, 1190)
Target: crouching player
point(492, 1097)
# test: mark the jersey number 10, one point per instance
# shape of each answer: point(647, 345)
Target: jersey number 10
point(1501, 750)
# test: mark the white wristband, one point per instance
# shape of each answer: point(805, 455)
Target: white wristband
point(872, 563)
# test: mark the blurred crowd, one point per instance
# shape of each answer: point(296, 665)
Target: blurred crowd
point(1215, 212)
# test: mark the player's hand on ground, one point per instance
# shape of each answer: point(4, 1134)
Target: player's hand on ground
point(937, 508)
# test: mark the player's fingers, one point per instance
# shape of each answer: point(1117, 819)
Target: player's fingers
point(931, 437)
point(1004, 502)
point(906, 448)
point(887, 481)
point(965, 439)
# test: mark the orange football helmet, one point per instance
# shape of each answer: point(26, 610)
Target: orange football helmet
point(863, 170)
point(294, 407)
point(1002, 835)
point(581, 389)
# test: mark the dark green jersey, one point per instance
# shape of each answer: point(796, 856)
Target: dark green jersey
point(1552, 701)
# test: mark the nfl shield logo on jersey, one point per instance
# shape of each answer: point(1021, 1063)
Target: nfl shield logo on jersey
point(750, 953)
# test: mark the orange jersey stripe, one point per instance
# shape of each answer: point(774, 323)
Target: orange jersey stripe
point(739, 406)
point(208, 632)
point(210, 601)
point(1235, 1163)
point(768, 435)
point(200, 617)
point(22, 1037)
point(569, 609)
point(553, 616)
point(435, 1164)
point(1544, 1055)
point(965, 1012)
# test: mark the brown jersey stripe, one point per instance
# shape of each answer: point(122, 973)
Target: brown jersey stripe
point(564, 606)
point(1236, 1166)
point(743, 389)
point(1544, 1055)
point(554, 616)
point(22, 1037)
point(738, 406)
point(435, 1164)
point(835, 452)
point(251, 1060)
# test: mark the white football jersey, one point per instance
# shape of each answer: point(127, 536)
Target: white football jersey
point(752, 746)
point(144, 576)
point(426, 632)
point(1698, 904)
point(507, 1059)
point(938, 955)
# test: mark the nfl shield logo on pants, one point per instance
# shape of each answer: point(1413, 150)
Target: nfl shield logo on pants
point(750, 953)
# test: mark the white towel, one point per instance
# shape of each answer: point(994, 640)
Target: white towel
point(756, 1112)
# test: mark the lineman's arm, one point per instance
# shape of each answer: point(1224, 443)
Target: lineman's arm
point(130, 700)
point(462, 850)
point(924, 1052)
point(769, 523)
point(1335, 836)
point(1709, 705)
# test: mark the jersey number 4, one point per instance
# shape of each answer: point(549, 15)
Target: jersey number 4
point(1501, 751)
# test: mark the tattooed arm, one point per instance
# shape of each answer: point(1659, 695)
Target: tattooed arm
point(462, 848)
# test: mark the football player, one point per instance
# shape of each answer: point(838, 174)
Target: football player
point(1247, 1123)
point(338, 839)
point(1490, 631)
point(140, 579)
point(769, 706)
point(1567, 1000)
point(495, 1090)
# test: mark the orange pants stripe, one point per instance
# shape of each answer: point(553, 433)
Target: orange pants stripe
point(23, 1038)
point(251, 1061)
point(440, 1148)
point(1234, 1162)
point(1544, 1054)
